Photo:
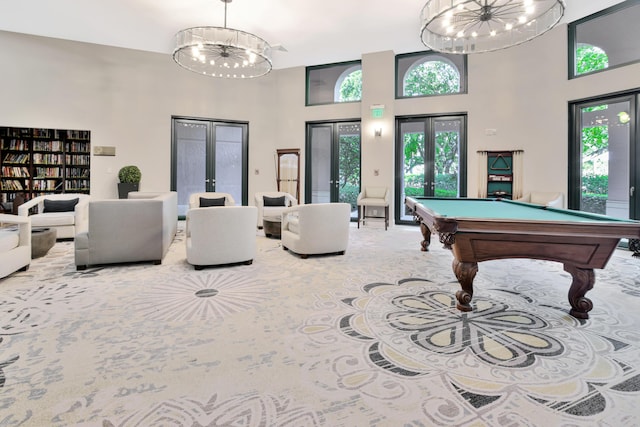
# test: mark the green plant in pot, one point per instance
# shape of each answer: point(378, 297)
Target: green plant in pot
point(129, 177)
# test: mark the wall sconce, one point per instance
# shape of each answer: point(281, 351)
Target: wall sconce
point(377, 132)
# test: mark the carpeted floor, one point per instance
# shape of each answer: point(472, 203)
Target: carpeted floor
point(371, 338)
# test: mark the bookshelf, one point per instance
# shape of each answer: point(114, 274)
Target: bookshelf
point(36, 161)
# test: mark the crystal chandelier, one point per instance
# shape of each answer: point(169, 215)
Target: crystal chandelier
point(222, 52)
point(473, 26)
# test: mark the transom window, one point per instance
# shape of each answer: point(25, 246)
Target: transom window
point(334, 83)
point(605, 40)
point(430, 73)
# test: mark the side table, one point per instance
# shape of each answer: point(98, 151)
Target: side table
point(272, 226)
point(42, 239)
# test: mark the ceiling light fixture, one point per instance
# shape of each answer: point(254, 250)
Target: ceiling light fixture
point(222, 52)
point(474, 26)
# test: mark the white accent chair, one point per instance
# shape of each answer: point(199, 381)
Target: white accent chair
point(373, 197)
point(194, 198)
point(272, 211)
point(15, 244)
point(544, 198)
point(221, 235)
point(317, 228)
point(66, 223)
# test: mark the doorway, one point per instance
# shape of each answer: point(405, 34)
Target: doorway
point(603, 156)
point(333, 159)
point(209, 155)
point(431, 158)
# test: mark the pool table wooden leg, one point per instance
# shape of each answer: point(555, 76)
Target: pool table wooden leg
point(583, 281)
point(465, 272)
point(426, 234)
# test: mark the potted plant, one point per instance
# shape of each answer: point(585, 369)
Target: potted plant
point(129, 177)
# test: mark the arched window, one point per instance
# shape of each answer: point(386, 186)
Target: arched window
point(349, 85)
point(430, 73)
point(436, 76)
point(334, 83)
point(590, 58)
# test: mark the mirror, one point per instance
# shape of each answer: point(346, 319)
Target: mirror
point(288, 171)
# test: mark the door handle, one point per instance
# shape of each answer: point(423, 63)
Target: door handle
point(632, 190)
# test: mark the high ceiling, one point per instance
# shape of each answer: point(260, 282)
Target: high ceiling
point(312, 32)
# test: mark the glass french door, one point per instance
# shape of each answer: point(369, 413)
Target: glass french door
point(603, 172)
point(333, 163)
point(209, 155)
point(430, 159)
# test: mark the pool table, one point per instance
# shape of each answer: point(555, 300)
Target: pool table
point(485, 229)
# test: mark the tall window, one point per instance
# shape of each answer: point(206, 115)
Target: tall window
point(430, 73)
point(334, 83)
point(604, 40)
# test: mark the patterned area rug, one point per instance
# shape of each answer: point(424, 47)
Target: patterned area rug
point(371, 338)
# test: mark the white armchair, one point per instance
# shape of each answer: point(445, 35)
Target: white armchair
point(318, 228)
point(544, 198)
point(223, 235)
point(373, 197)
point(269, 210)
point(57, 211)
point(15, 244)
point(212, 197)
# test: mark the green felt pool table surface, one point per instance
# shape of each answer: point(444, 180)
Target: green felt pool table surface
point(501, 209)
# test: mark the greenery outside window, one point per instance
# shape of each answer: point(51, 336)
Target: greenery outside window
point(334, 83)
point(430, 73)
point(604, 40)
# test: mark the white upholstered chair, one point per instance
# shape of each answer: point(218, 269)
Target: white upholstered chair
point(221, 235)
point(317, 228)
point(276, 203)
point(15, 243)
point(58, 211)
point(212, 197)
point(373, 197)
point(544, 198)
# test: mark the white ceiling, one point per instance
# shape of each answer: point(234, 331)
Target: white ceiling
point(313, 32)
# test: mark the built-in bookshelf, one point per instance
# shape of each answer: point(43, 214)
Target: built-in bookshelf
point(36, 161)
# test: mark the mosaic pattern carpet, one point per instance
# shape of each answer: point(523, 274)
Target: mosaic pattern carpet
point(371, 338)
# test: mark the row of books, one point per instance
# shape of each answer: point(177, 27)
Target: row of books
point(14, 185)
point(78, 147)
point(47, 159)
point(48, 172)
point(15, 144)
point(47, 145)
point(77, 159)
point(15, 171)
point(76, 184)
point(45, 184)
point(45, 133)
point(77, 172)
point(16, 158)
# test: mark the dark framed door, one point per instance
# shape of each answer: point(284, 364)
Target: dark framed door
point(209, 155)
point(333, 163)
point(603, 156)
point(431, 158)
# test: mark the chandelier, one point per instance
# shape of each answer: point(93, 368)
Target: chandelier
point(222, 52)
point(474, 26)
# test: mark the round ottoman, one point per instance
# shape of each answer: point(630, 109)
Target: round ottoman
point(42, 239)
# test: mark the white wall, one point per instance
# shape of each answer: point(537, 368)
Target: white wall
point(126, 98)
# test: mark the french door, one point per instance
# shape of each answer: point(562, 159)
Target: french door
point(604, 156)
point(430, 159)
point(209, 155)
point(333, 163)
